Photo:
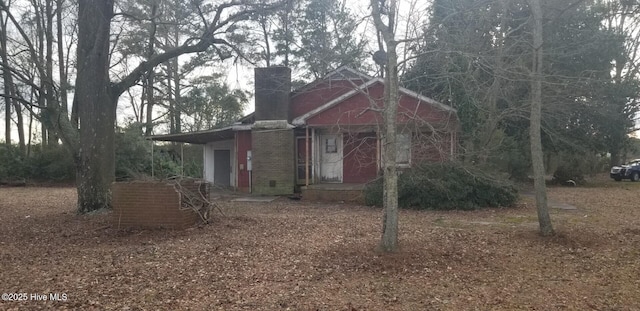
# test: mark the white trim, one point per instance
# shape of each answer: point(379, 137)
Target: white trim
point(243, 127)
point(168, 137)
point(302, 120)
point(427, 99)
point(272, 125)
point(209, 160)
point(314, 149)
point(301, 181)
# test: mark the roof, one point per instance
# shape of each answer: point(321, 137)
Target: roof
point(342, 73)
point(301, 120)
point(202, 137)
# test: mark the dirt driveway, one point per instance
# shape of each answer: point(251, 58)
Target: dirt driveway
point(287, 255)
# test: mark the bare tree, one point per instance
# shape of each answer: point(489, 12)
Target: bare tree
point(537, 156)
point(7, 81)
point(389, 242)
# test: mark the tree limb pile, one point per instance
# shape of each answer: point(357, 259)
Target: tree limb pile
point(194, 195)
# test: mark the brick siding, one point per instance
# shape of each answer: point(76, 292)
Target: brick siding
point(150, 205)
point(273, 165)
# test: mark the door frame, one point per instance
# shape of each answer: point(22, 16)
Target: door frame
point(336, 160)
point(209, 169)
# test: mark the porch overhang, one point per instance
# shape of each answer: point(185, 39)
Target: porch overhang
point(202, 137)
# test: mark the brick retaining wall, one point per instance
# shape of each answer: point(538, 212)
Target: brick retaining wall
point(150, 205)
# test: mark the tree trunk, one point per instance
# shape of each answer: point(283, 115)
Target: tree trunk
point(176, 94)
point(262, 20)
point(389, 241)
point(30, 131)
point(6, 75)
point(537, 157)
point(7, 116)
point(172, 106)
point(149, 80)
point(150, 76)
point(96, 103)
point(62, 68)
point(41, 43)
point(488, 131)
point(52, 101)
point(19, 123)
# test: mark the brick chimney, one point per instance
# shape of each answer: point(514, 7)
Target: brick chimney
point(272, 135)
point(272, 93)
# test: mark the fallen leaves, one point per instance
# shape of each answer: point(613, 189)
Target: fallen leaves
point(288, 255)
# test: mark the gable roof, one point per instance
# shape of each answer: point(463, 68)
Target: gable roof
point(340, 74)
point(301, 120)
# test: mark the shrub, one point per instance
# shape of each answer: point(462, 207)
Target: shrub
point(564, 173)
point(49, 163)
point(52, 163)
point(12, 163)
point(132, 153)
point(445, 186)
point(133, 157)
point(575, 166)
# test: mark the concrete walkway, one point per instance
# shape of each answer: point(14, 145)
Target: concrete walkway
point(254, 199)
point(232, 196)
point(550, 203)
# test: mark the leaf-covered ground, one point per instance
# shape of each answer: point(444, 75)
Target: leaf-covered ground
point(289, 255)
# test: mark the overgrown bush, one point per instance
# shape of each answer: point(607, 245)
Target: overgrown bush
point(51, 163)
point(564, 173)
point(446, 186)
point(133, 157)
point(12, 163)
point(576, 166)
point(132, 153)
point(514, 158)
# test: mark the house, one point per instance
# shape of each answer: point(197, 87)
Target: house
point(326, 132)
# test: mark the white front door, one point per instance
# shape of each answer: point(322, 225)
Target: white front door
point(330, 158)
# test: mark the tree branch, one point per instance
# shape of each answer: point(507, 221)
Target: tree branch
point(205, 41)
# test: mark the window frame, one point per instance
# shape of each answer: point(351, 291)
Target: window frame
point(404, 148)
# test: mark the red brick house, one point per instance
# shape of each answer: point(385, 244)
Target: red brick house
point(327, 131)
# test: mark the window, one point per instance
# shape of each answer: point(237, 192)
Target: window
point(403, 149)
point(330, 145)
